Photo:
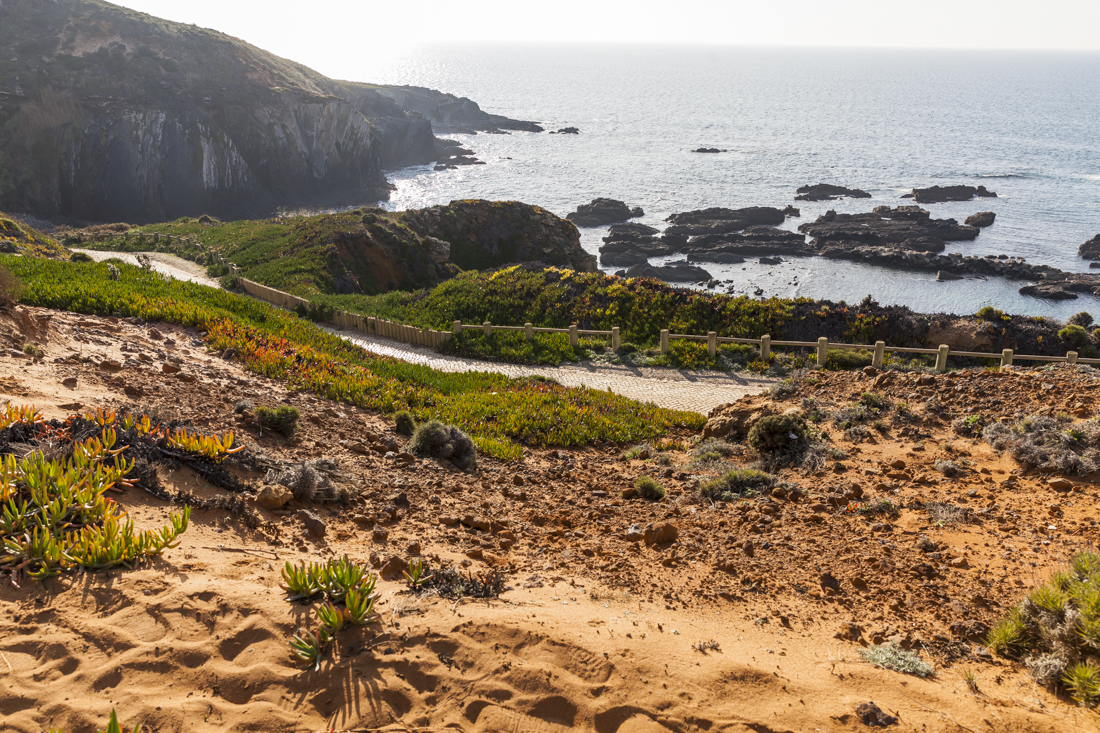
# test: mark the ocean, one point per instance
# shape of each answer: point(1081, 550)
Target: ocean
point(1024, 124)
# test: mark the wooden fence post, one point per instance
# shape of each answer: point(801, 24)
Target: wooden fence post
point(941, 358)
point(487, 328)
point(664, 340)
point(822, 351)
point(766, 347)
point(1006, 357)
point(573, 335)
point(456, 328)
point(1071, 357)
point(528, 331)
point(712, 343)
point(615, 342)
point(880, 354)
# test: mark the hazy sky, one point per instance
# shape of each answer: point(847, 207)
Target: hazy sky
point(340, 36)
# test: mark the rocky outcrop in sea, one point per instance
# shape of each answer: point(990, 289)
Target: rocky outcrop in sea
point(603, 211)
point(1090, 250)
point(941, 194)
point(827, 192)
point(982, 219)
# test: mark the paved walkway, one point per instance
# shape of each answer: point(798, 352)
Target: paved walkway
point(678, 390)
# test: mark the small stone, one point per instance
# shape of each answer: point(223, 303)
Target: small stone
point(167, 368)
point(155, 334)
point(413, 549)
point(315, 526)
point(69, 382)
point(829, 582)
point(393, 568)
point(109, 365)
point(361, 519)
point(748, 548)
point(897, 463)
point(850, 631)
point(634, 534)
point(1060, 484)
point(517, 480)
point(475, 553)
point(659, 534)
point(380, 535)
point(360, 448)
point(132, 390)
point(925, 545)
point(185, 377)
point(401, 499)
point(447, 520)
point(873, 716)
point(630, 492)
point(870, 371)
point(274, 496)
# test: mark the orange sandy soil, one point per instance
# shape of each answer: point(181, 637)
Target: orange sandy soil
point(595, 631)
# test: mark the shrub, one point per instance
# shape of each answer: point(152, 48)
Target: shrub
point(437, 440)
point(1043, 442)
point(649, 488)
point(735, 484)
point(642, 451)
point(81, 257)
point(990, 314)
point(1055, 630)
point(1084, 318)
point(405, 422)
point(283, 419)
point(776, 433)
point(1074, 334)
point(11, 288)
point(893, 657)
point(950, 469)
point(33, 350)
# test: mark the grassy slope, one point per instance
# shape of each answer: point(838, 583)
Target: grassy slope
point(500, 414)
point(27, 240)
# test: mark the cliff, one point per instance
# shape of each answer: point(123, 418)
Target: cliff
point(112, 115)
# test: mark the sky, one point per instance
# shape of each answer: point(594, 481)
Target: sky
point(340, 36)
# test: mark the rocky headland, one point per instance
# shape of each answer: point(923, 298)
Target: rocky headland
point(603, 211)
point(827, 192)
point(107, 114)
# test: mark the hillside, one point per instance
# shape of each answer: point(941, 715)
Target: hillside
point(107, 114)
point(762, 586)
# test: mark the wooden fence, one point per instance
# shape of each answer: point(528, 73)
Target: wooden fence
point(435, 339)
point(366, 324)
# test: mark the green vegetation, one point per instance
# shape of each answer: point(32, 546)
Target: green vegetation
point(893, 657)
point(1074, 334)
point(1055, 630)
point(283, 419)
point(498, 413)
point(404, 422)
point(56, 516)
point(437, 440)
point(778, 433)
point(18, 237)
point(649, 489)
point(736, 484)
point(991, 314)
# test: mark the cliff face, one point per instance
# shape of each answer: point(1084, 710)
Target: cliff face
point(112, 115)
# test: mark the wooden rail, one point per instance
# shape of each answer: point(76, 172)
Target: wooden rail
point(435, 339)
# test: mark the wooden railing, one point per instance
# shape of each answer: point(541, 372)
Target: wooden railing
point(435, 339)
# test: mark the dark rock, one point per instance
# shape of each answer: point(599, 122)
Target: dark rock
point(981, 219)
point(1049, 291)
point(971, 630)
point(944, 276)
point(873, 716)
point(827, 192)
point(672, 272)
point(771, 260)
point(314, 525)
point(709, 150)
point(940, 194)
point(722, 258)
point(905, 227)
point(722, 221)
point(1090, 250)
point(603, 211)
point(789, 210)
point(566, 131)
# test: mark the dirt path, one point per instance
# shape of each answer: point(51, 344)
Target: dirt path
point(177, 267)
point(679, 390)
